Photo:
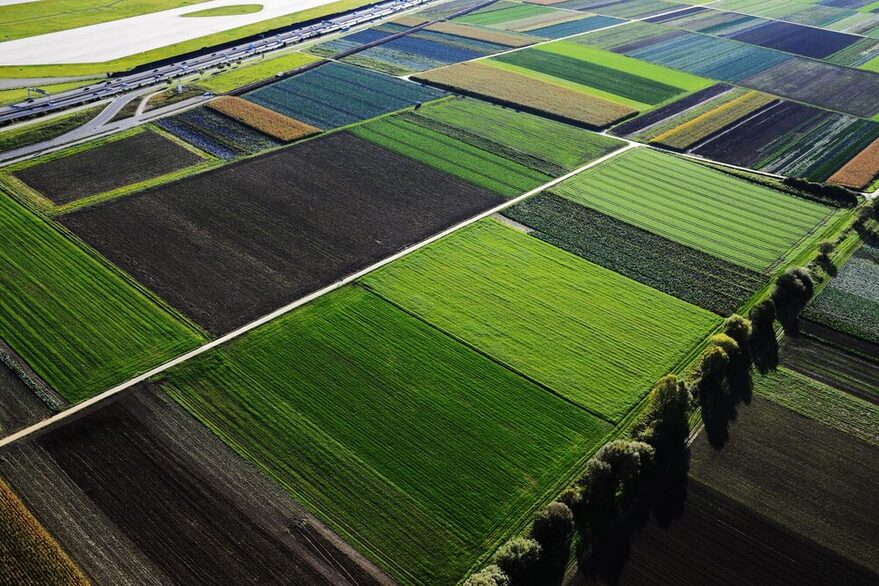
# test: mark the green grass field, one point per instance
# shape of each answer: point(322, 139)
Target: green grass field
point(419, 451)
point(478, 166)
point(14, 96)
point(556, 143)
point(255, 71)
point(502, 12)
point(78, 323)
point(821, 402)
point(708, 210)
point(589, 334)
point(624, 80)
point(46, 130)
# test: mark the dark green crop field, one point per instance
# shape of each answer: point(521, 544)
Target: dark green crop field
point(589, 334)
point(79, 324)
point(419, 451)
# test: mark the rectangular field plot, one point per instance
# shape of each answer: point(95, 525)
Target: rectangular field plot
point(334, 95)
point(730, 218)
point(418, 51)
point(80, 324)
point(19, 405)
point(630, 82)
point(831, 365)
point(421, 452)
point(529, 93)
point(217, 134)
point(622, 8)
point(574, 27)
point(588, 334)
point(502, 150)
point(71, 175)
point(850, 301)
point(139, 491)
point(813, 480)
point(816, 83)
point(794, 140)
point(514, 16)
point(663, 264)
point(234, 243)
point(859, 172)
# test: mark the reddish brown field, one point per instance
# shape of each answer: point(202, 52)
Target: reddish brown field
point(860, 171)
point(260, 118)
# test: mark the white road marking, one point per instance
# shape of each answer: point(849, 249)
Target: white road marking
point(73, 410)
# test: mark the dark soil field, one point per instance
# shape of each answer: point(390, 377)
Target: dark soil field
point(832, 366)
point(816, 481)
point(721, 542)
point(230, 245)
point(19, 406)
point(139, 492)
point(840, 339)
point(110, 166)
point(786, 501)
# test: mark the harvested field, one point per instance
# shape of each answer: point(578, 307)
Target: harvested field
point(850, 301)
point(235, 243)
point(725, 542)
point(80, 324)
point(861, 170)
point(530, 94)
point(730, 218)
point(553, 147)
point(267, 121)
point(714, 121)
point(217, 134)
point(818, 83)
point(392, 451)
point(813, 480)
point(139, 492)
point(832, 366)
point(815, 400)
point(478, 166)
point(19, 406)
point(571, 325)
point(628, 81)
point(28, 554)
point(334, 95)
point(684, 272)
point(116, 163)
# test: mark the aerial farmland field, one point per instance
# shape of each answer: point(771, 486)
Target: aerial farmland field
point(439, 292)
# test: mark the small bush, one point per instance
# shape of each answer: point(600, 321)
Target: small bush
point(518, 558)
point(488, 576)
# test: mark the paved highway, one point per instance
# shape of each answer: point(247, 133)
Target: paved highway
point(127, 83)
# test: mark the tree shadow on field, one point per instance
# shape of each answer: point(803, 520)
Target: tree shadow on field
point(720, 406)
point(662, 499)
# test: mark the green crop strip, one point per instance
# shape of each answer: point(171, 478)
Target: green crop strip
point(416, 449)
point(80, 324)
point(592, 336)
point(730, 218)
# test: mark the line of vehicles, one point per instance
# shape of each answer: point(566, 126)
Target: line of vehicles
point(119, 85)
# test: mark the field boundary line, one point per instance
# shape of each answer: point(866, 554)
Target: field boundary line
point(47, 424)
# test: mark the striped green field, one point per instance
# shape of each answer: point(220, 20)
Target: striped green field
point(78, 323)
point(502, 12)
point(631, 82)
point(554, 143)
point(476, 165)
point(730, 218)
point(592, 336)
point(421, 452)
